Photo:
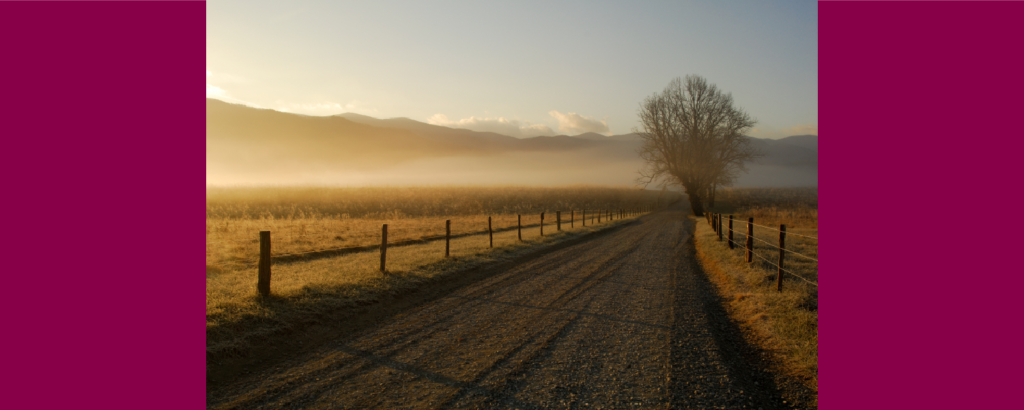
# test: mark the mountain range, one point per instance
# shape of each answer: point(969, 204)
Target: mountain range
point(246, 145)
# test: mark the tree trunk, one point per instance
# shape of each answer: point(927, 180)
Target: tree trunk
point(696, 204)
point(711, 197)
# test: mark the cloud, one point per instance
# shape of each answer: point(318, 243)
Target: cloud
point(574, 124)
point(776, 133)
point(324, 108)
point(213, 91)
point(222, 78)
point(500, 125)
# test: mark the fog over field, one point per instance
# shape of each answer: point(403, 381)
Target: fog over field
point(250, 146)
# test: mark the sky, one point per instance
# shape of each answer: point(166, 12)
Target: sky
point(520, 68)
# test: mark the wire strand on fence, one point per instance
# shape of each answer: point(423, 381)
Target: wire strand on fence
point(787, 232)
point(805, 236)
point(787, 250)
point(784, 269)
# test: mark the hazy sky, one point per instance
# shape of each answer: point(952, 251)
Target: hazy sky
point(519, 68)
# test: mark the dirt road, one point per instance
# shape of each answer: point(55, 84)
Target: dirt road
point(623, 319)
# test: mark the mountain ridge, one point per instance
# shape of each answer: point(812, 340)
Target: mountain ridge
point(250, 143)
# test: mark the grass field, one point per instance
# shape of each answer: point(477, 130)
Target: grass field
point(303, 219)
point(786, 322)
point(308, 219)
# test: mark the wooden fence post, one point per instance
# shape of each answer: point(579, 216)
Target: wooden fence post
point(730, 232)
point(719, 227)
point(263, 277)
point(750, 240)
point(383, 246)
point(782, 253)
point(541, 224)
point(447, 236)
point(490, 233)
point(584, 216)
point(520, 217)
point(572, 218)
point(558, 220)
point(598, 216)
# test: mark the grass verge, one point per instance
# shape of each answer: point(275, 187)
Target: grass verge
point(783, 323)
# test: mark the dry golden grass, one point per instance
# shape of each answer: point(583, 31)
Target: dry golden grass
point(303, 290)
point(304, 219)
point(402, 202)
point(784, 322)
point(234, 243)
point(794, 207)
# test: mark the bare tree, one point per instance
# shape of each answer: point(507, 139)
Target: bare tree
point(693, 137)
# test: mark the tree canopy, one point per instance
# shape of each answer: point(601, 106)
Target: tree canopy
point(694, 137)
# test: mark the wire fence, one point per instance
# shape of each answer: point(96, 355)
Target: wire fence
point(787, 233)
point(721, 224)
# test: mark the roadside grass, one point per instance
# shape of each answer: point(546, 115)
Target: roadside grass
point(306, 291)
point(785, 323)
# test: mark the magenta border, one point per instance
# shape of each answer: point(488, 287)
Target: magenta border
point(104, 141)
point(919, 112)
point(104, 162)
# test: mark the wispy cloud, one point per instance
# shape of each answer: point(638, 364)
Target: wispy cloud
point(324, 108)
point(213, 91)
point(500, 125)
point(574, 124)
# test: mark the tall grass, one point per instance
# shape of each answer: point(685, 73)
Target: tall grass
point(399, 202)
point(303, 219)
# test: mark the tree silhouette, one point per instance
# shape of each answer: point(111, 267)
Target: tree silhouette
point(693, 137)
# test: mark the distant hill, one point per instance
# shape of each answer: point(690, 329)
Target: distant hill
point(598, 137)
point(482, 141)
point(806, 141)
point(246, 145)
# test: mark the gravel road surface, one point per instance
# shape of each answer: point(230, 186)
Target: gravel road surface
point(623, 319)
